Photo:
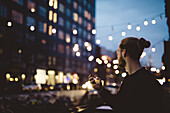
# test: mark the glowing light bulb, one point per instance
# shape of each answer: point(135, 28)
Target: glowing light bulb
point(97, 41)
point(153, 21)
point(94, 31)
point(110, 38)
point(91, 58)
point(138, 28)
point(32, 28)
point(145, 23)
point(75, 32)
point(9, 24)
point(54, 30)
point(123, 33)
point(77, 54)
point(153, 49)
point(129, 27)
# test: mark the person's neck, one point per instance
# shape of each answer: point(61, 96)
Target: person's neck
point(132, 66)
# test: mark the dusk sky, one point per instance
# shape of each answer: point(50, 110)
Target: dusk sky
point(113, 16)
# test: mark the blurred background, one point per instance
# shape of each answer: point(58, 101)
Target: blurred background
point(48, 48)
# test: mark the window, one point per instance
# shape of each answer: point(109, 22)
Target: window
point(54, 61)
point(80, 20)
point(84, 2)
point(55, 17)
point(75, 5)
point(88, 36)
point(89, 6)
point(80, 42)
point(50, 15)
point(55, 6)
point(61, 21)
point(79, 9)
point(16, 16)
point(50, 30)
point(20, 2)
point(69, 1)
point(42, 27)
point(61, 48)
point(80, 31)
point(31, 5)
point(85, 13)
point(61, 8)
point(84, 34)
point(89, 26)
point(42, 11)
point(68, 12)
point(61, 34)
point(68, 25)
point(73, 40)
point(75, 17)
point(67, 38)
point(3, 11)
point(51, 3)
point(89, 16)
point(67, 50)
point(49, 60)
point(30, 21)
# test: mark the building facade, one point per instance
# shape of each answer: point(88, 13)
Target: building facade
point(54, 36)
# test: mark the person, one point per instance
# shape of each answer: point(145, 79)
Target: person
point(140, 92)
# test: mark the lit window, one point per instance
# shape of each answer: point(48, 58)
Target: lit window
point(89, 16)
point(51, 3)
point(75, 16)
point(54, 60)
point(75, 5)
point(86, 14)
point(93, 20)
point(61, 34)
point(49, 60)
point(61, 8)
point(50, 15)
point(61, 48)
point(50, 30)
point(55, 18)
point(55, 4)
point(61, 21)
point(42, 27)
point(68, 38)
point(16, 16)
point(45, 27)
point(89, 26)
point(88, 36)
point(80, 20)
point(67, 50)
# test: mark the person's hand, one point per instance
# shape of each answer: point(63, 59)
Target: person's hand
point(96, 82)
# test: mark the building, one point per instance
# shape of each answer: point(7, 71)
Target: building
point(50, 37)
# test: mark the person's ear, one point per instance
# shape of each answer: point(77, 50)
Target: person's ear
point(124, 52)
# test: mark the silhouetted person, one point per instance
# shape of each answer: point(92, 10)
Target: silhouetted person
point(140, 92)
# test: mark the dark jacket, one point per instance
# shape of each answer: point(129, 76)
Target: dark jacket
point(139, 93)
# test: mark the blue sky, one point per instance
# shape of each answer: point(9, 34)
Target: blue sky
point(113, 16)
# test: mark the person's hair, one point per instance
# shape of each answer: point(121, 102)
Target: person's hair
point(134, 46)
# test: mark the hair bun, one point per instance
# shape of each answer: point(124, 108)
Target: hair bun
point(143, 43)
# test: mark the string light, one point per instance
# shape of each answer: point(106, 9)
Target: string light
point(32, 28)
point(91, 58)
point(74, 31)
point(110, 38)
point(145, 23)
point(129, 27)
point(153, 21)
point(77, 54)
point(97, 41)
point(138, 28)
point(54, 31)
point(153, 49)
point(93, 31)
point(9, 23)
point(123, 33)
